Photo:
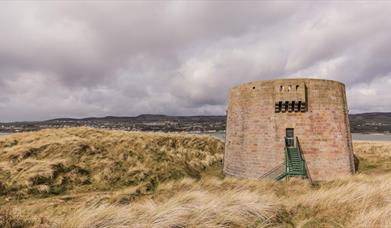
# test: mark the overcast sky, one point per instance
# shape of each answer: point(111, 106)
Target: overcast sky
point(80, 59)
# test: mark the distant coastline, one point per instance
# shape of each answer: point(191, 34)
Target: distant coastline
point(355, 136)
point(365, 123)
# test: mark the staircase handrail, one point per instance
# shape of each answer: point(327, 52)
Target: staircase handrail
point(273, 170)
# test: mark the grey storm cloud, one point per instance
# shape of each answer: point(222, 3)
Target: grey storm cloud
point(78, 59)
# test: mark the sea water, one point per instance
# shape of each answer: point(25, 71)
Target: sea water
point(371, 137)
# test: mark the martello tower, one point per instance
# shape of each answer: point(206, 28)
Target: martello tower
point(290, 127)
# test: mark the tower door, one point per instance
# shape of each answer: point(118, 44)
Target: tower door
point(290, 137)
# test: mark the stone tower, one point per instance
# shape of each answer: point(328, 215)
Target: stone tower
point(262, 114)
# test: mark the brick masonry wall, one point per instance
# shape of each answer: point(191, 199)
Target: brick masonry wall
point(255, 132)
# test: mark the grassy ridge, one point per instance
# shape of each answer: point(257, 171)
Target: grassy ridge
point(75, 160)
point(189, 190)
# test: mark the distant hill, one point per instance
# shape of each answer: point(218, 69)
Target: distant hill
point(376, 122)
point(143, 117)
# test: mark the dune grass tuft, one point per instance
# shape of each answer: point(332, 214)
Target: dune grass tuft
point(10, 218)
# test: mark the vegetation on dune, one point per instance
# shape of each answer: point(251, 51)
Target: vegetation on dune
point(55, 161)
point(189, 190)
point(195, 207)
point(361, 201)
point(375, 157)
point(10, 218)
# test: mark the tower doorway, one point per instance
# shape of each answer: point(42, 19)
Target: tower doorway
point(290, 137)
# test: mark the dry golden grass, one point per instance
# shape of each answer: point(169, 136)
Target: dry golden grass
point(185, 209)
point(375, 157)
point(10, 218)
point(213, 202)
point(190, 191)
point(75, 160)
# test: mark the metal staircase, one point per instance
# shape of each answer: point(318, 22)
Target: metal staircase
point(294, 163)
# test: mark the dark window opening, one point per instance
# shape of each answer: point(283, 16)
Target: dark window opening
point(289, 106)
point(285, 106)
point(278, 106)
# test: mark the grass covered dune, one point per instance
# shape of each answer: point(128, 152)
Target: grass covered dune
point(122, 179)
point(82, 159)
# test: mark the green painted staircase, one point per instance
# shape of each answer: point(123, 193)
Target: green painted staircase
point(294, 162)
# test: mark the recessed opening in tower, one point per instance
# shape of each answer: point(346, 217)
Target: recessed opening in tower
point(290, 137)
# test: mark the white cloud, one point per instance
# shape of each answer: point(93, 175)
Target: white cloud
point(371, 97)
point(127, 58)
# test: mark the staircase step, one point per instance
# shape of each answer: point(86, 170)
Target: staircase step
point(296, 173)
